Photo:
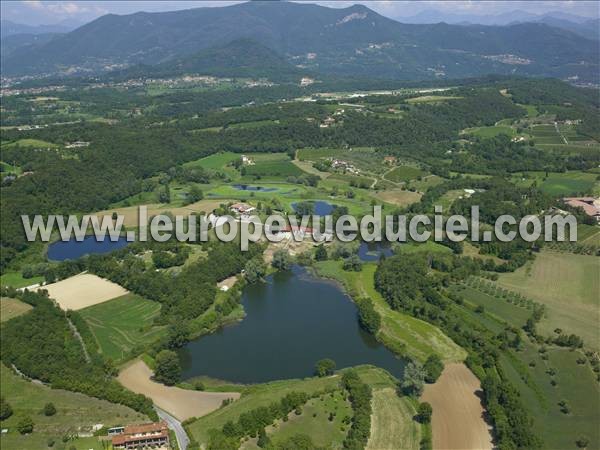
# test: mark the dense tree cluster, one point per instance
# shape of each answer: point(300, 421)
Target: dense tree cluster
point(360, 398)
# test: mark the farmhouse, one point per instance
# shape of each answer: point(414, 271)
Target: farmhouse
point(77, 144)
point(246, 161)
point(150, 435)
point(389, 160)
point(242, 208)
point(590, 205)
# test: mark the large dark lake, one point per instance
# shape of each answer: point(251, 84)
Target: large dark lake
point(73, 249)
point(292, 320)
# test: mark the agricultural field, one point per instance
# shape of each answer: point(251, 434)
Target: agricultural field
point(431, 99)
point(215, 162)
point(556, 184)
point(75, 412)
point(403, 174)
point(11, 307)
point(121, 324)
point(568, 285)
point(83, 290)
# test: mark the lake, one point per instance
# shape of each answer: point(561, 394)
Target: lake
point(372, 251)
point(247, 187)
point(73, 249)
point(320, 207)
point(292, 320)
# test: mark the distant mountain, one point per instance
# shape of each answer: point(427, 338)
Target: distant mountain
point(352, 41)
point(9, 28)
point(239, 58)
point(22, 42)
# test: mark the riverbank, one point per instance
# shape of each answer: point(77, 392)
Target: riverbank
point(401, 333)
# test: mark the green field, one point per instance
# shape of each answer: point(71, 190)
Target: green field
point(273, 168)
point(313, 154)
point(545, 134)
point(215, 162)
point(575, 383)
point(431, 99)
point(121, 324)
point(32, 143)
point(404, 174)
point(16, 280)
point(568, 285)
point(73, 411)
point(387, 432)
point(557, 184)
point(399, 332)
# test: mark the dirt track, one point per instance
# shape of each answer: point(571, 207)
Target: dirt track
point(181, 403)
point(81, 291)
point(457, 421)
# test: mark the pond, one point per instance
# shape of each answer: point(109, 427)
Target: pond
point(292, 321)
point(247, 187)
point(320, 207)
point(372, 251)
point(73, 249)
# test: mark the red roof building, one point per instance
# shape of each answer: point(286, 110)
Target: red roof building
point(146, 436)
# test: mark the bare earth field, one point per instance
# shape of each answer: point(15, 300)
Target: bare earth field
point(399, 197)
point(181, 403)
point(83, 290)
point(131, 213)
point(457, 421)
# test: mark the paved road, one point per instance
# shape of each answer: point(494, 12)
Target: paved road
point(175, 425)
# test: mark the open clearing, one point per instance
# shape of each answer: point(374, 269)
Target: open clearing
point(83, 290)
point(181, 403)
point(399, 197)
point(11, 307)
point(568, 285)
point(458, 416)
point(123, 323)
point(392, 424)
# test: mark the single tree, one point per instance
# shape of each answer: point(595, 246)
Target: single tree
point(168, 370)
point(321, 253)
point(49, 409)
point(433, 368)
point(325, 367)
point(5, 409)
point(424, 412)
point(414, 379)
point(281, 259)
point(25, 425)
point(255, 270)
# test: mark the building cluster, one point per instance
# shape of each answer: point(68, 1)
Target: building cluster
point(590, 205)
point(340, 164)
point(147, 436)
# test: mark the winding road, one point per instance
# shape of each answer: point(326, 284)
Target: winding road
point(175, 425)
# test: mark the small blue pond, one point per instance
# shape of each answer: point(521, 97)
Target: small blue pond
point(247, 187)
point(372, 251)
point(320, 207)
point(73, 249)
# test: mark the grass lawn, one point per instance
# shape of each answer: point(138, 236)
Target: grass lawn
point(123, 323)
point(404, 174)
point(32, 143)
point(399, 332)
point(16, 280)
point(73, 411)
point(11, 307)
point(568, 285)
point(313, 154)
point(387, 432)
point(273, 169)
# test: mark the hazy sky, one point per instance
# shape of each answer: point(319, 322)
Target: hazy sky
point(36, 12)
